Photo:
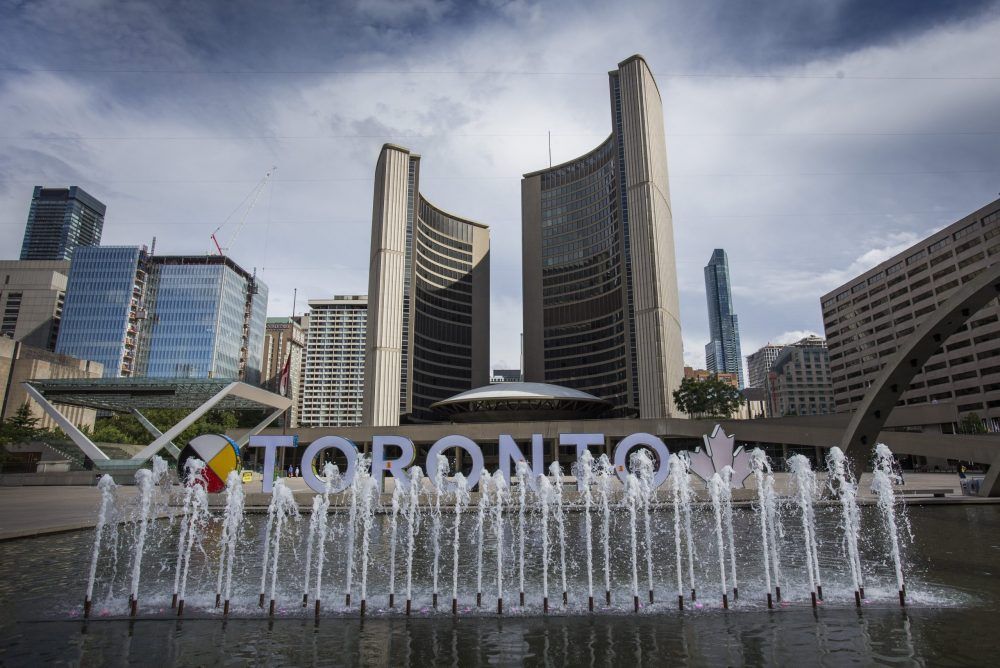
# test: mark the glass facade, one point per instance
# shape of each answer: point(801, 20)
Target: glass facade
point(722, 353)
point(61, 220)
point(164, 317)
point(442, 297)
point(585, 332)
point(100, 312)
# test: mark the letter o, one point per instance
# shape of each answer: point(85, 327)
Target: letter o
point(650, 441)
point(455, 441)
point(348, 449)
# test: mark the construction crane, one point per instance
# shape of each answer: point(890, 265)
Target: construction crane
point(252, 196)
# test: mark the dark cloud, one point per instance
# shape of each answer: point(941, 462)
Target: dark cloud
point(171, 111)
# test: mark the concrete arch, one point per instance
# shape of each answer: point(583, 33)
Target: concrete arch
point(870, 416)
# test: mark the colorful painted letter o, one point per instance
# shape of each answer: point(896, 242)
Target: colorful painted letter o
point(220, 454)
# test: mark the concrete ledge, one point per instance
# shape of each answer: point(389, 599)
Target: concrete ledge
point(71, 478)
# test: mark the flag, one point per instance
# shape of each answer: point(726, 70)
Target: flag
point(284, 376)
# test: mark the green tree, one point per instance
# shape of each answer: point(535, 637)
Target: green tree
point(20, 427)
point(711, 397)
point(971, 424)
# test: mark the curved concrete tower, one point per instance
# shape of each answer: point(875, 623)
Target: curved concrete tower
point(601, 309)
point(428, 332)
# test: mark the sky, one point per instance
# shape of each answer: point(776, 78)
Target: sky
point(810, 140)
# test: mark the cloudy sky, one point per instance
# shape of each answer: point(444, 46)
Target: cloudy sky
point(809, 139)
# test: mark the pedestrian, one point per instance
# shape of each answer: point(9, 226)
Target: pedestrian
point(298, 472)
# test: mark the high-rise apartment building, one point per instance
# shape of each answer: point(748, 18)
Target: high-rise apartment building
point(601, 308)
point(759, 364)
point(163, 316)
point(868, 318)
point(333, 380)
point(799, 380)
point(284, 352)
point(31, 300)
point(722, 353)
point(428, 296)
point(61, 220)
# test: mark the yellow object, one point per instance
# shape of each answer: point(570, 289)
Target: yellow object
point(248, 476)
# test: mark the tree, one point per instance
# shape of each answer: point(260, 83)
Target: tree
point(20, 427)
point(711, 397)
point(971, 424)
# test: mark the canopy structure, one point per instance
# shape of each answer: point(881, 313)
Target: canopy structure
point(133, 395)
point(521, 401)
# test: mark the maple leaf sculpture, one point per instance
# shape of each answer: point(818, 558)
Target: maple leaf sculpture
point(718, 453)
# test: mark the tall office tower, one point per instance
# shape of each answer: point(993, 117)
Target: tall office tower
point(334, 376)
point(799, 380)
point(722, 353)
point(759, 364)
point(428, 297)
point(601, 311)
point(60, 221)
point(31, 300)
point(163, 316)
point(868, 318)
point(281, 371)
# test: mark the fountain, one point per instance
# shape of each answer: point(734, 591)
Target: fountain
point(842, 485)
point(556, 472)
point(499, 497)
point(331, 479)
point(368, 491)
point(726, 499)
point(396, 504)
point(715, 489)
point(281, 508)
point(633, 495)
point(196, 521)
point(483, 508)
point(804, 485)
point(680, 486)
point(627, 533)
point(642, 464)
point(412, 527)
point(544, 493)
point(767, 512)
point(605, 472)
point(523, 475)
point(107, 486)
point(585, 474)
point(231, 523)
point(883, 485)
point(461, 500)
point(147, 480)
point(440, 471)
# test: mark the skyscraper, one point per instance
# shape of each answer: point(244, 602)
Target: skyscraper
point(759, 364)
point(60, 221)
point(428, 298)
point(283, 361)
point(334, 376)
point(163, 316)
point(31, 299)
point(601, 310)
point(722, 353)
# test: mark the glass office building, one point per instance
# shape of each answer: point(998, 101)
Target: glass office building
point(722, 353)
point(60, 221)
point(601, 307)
point(101, 313)
point(164, 316)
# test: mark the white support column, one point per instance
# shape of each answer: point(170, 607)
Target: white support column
point(176, 430)
point(156, 433)
point(85, 444)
